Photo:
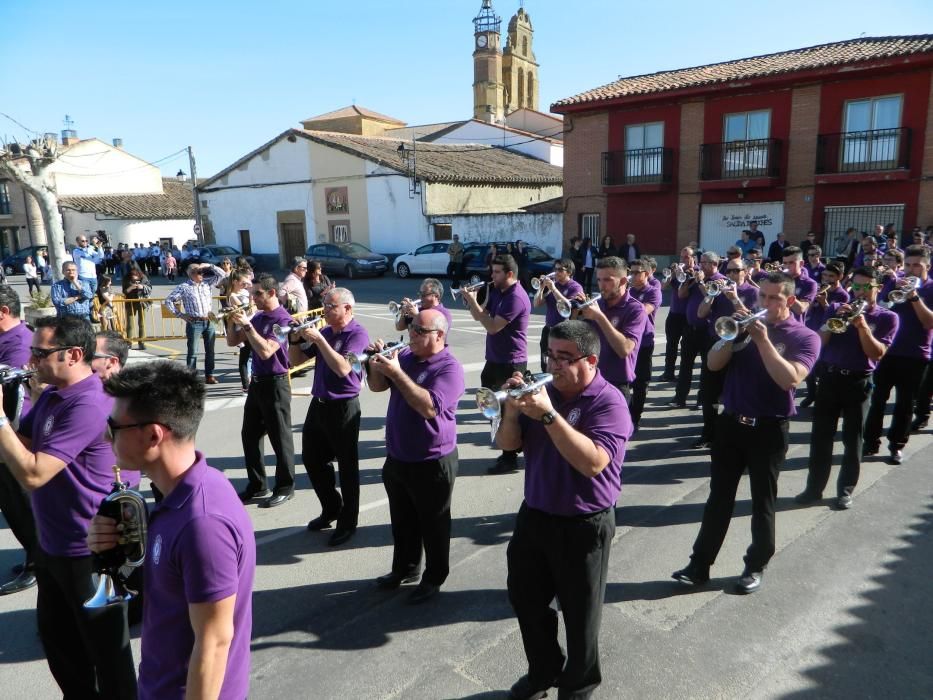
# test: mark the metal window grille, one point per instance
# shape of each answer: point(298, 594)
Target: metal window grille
point(4, 198)
point(589, 227)
point(863, 218)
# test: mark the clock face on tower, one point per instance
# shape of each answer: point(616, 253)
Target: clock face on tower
point(481, 41)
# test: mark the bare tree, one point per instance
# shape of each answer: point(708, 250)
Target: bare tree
point(29, 164)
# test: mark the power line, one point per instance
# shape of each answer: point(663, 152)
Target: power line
point(19, 124)
point(129, 170)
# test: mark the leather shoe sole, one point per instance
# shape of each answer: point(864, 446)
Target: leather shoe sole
point(211, 380)
point(339, 537)
point(391, 581)
point(25, 581)
point(321, 522)
point(424, 591)
point(749, 582)
point(248, 495)
point(277, 500)
point(690, 576)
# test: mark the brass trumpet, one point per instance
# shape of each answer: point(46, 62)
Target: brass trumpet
point(475, 287)
point(905, 288)
point(395, 307)
point(565, 307)
point(714, 288)
point(282, 332)
point(490, 402)
point(773, 267)
point(538, 282)
point(729, 328)
point(839, 324)
point(128, 508)
point(229, 311)
point(357, 361)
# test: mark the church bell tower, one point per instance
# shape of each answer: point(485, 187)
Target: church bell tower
point(488, 89)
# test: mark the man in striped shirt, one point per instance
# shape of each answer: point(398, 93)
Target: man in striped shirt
point(195, 297)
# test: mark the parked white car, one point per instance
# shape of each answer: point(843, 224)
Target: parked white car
point(429, 260)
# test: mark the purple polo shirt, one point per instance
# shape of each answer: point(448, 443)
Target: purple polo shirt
point(697, 295)
point(410, 437)
point(805, 289)
point(510, 345)
point(748, 295)
point(551, 484)
point(263, 323)
point(649, 294)
point(749, 389)
point(68, 424)
point(816, 272)
point(654, 282)
point(912, 340)
point(844, 349)
point(327, 385)
point(569, 290)
point(629, 318)
point(758, 275)
point(201, 550)
point(817, 315)
point(678, 305)
point(14, 352)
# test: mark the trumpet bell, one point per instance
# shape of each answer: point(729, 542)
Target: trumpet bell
point(726, 328)
point(394, 307)
point(109, 593)
point(837, 325)
point(488, 403)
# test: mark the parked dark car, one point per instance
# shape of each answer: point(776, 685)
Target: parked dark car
point(215, 254)
point(537, 262)
point(13, 264)
point(348, 259)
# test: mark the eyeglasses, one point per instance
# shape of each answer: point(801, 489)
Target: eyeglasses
point(421, 330)
point(259, 292)
point(103, 356)
point(113, 427)
point(330, 307)
point(732, 270)
point(563, 360)
point(42, 353)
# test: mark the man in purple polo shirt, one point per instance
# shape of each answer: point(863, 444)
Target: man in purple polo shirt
point(67, 467)
point(200, 552)
point(574, 434)
point(269, 398)
point(561, 287)
point(15, 338)
point(677, 315)
point(805, 289)
point(332, 427)
point(738, 296)
point(431, 295)
point(696, 332)
point(831, 292)
point(848, 359)
point(903, 365)
point(814, 263)
point(505, 317)
point(620, 321)
point(763, 367)
point(649, 296)
point(426, 383)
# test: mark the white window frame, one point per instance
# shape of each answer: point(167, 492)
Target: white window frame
point(860, 147)
point(639, 164)
point(745, 155)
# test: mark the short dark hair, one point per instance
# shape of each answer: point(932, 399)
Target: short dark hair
point(116, 345)
point(864, 271)
point(266, 282)
point(162, 392)
point(613, 262)
point(835, 268)
point(71, 332)
point(917, 251)
point(782, 278)
point(792, 251)
point(507, 262)
point(580, 332)
point(10, 299)
point(567, 264)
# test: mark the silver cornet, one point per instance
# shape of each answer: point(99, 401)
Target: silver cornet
point(357, 361)
point(729, 328)
point(468, 288)
point(128, 508)
point(395, 307)
point(714, 288)
point(907, 286)
point(282, 332)
point(538, 282)
point(490, 402)
point(839, 324)
point(565, 307)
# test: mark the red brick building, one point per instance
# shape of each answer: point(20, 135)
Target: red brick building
point(819, 139)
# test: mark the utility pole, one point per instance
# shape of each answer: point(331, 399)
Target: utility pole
point(198, 228)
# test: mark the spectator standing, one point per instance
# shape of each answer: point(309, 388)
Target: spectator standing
point(32, 275)
point(195, 294)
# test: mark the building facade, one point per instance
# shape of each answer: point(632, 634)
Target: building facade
point(819, 139)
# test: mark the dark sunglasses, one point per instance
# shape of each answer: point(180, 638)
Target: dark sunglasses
point(42, 353)
point(421, 330)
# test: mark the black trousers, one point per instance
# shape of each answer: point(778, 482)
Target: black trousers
point(419, 507)
point(760, 449)
point(693, 344)
point(243, 364)
point(88, 651)
point(903, 374)
point(838, 395)
point(17, 509)
point(268, 411)
point(587, 282)
point(455, 272)
point(493, 377)
point(642, 379)
point(568, 558)
point(813, 379)
point(924, 394)
point(673, 330)
point(545, 332)
point(711, 386)
point(332, 431)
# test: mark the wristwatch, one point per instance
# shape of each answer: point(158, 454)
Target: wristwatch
point(912, 299)
point(549, 417)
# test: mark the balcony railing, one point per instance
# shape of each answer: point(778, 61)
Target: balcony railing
point(863, 151)
point(740, 159)
point(641, 166)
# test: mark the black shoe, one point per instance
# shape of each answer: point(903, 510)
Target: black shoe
point(249, 493)
point(391, 580)
point(277, 499)
point(677, 404)
point(806, 403)
point(524, 689)
point(919, 424)
point(424, 591)
point(701, 444)
point(691, 575)
point(503, 465)
point(340, 536)
point(897, 457)
point(26, 580)
point(870, 450)
point(843, 502)
point(322, 522)
point(749, 582)
point(805, 497)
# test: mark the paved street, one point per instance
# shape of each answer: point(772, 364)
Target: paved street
point(843, 610)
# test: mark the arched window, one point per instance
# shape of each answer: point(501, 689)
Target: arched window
point(531, 91)
point(524, 46)
point(521, 88)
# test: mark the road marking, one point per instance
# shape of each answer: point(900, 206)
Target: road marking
point(289, 531)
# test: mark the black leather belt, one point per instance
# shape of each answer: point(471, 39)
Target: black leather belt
point(318, 399)
point(269, 377)
point(854, 373)
point(754, 421)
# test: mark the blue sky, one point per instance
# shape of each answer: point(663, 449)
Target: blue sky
point(224, 77)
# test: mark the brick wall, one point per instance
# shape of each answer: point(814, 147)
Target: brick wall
point(586, 138)
point(688, 175)
point(925, 203)
point(801, 157)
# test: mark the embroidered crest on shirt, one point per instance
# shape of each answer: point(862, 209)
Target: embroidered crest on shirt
point(615, 321)
point(421, 377)
point(780, 348)
point(47, 428)
point(574, 416)
point(338, 345)
point(157, 549)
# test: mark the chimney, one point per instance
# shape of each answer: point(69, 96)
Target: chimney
point(51, 136)
point(69, 137)
point(118, 143)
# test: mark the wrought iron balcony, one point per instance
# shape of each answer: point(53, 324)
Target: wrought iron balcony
point(740, 159)
point(863, 151)
point(641, 166)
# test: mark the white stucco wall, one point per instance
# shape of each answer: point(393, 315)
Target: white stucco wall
point(542, 230)
point(128, 230)
point(446, 199)
point(396, 224)
point(92, 167)
point(493, 135)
